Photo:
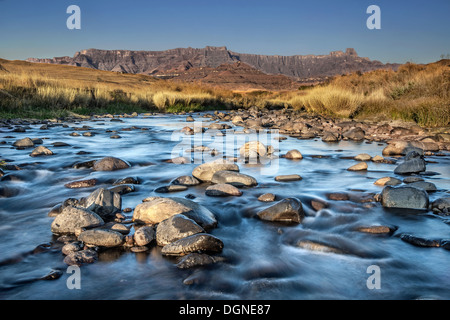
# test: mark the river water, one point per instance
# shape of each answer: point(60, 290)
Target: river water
point(261, 258)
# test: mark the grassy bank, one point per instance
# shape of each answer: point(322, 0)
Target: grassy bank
point(419, 93)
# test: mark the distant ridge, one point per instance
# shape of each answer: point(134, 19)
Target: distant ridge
point(172, 63)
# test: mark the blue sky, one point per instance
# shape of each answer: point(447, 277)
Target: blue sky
point(417, 31)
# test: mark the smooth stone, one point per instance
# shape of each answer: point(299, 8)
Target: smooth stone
point(441, 203)
point(358, 167)
point(144, 235)
point(72, 247)
point(356, 134)
point(376, 229)
point(404, 197)
point(413, 163)
point(127, 180)
point(110, 164)
point(253, 149)
point(82, 257)
point(201, 242)
point(427, 186)
point(171, 188)
point(24, 143)
point(286, 210)
point(186, 181)
point(175, 228)
point(234, 178)
point(205, 171)
point(420, 242)
point(318, 247)
point(81, 184)
point(101, 238)
point(41, 151)
point(387, 181)
point(222, 190)
point(288, 177)
point(293, 154)
point(412, 179)
point(330, 136)
point(122, 189)
point(193, 260)
point(104, 202)
point(377, 158)
point(363, 157)
point(72, 218)
point(267, 197)
point(159, 209)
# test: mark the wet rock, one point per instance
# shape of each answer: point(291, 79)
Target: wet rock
point(104, 202)
point(80, 258)
point(253, 149)
point(175, 228)
point(376, 229)
point(413, 163)
point(362, 166)
point(356, 134)
point(114, 226)
point(127, 180)
point(404, 197)
point(286, 210)
point(159, 209)
point(60, 144)
point(41, 151)
point(427, 186)
point(363, 157)
point(205, 172)
point(293, 155)
point(24, 143)
point(387, 181)
point(171, 188)
point(267, 197)
point(84, 164)
point(72, 247)
point(122, 189)
point(144, 235)
point(234, 178)
point(441, 205)
point(186, 181)
point(201, 242)
point(318, 246)
point(81, 184)
point(72, 218)
point(101, 238)
point(338, 196)
point(377, 158)
point(52, 275)
point(193, 260)
point(331, 136)
point(412, 179)
point(399, 147)
point(110, 164)
point(288, 177)
point(419, 242)
point(190, 119)
point(222, 190)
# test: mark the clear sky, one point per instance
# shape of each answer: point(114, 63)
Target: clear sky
point(413, 30)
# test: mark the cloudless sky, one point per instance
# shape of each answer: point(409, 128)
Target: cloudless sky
point(413, 30)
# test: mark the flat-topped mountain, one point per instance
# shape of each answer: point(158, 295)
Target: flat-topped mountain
point(172, 63)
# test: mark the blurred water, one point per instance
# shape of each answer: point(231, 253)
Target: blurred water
point(262, 261)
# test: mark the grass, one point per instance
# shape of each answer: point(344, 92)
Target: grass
point(418, 93)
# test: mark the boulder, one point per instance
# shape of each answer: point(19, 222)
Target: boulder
point(363, 157)
point(234, 178)
point(253, 149)
point(144, 235)
point(80, 258)
point(101, 238)
point(356, 134)
point(413, 163)
point(200, 242)
point(399, 147)
point(222, 190)
point(193, 260)
point(267, 197)
point(427, 186)
point(159, 209)
point(104, 202)
point(331, 136)
point(41, 151)
point(387, 181)
point(186, 181)
point(175, 228)
point(404, 197)
point(24, 143)
point(205, 171)
point(293, 155)
point(358, 167)
point(72, 218)
point(286, 210)
point(110, 164)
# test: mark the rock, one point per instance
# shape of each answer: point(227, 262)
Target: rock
point(24, 143)
point(253, 149)
point(338, 196)
point(171, 188)
point(80, 258)
point(205, 172)
point(288, 177)
point(267, 197)
point(101, 238)
point(72, 218)
point(419, 242)
point(222, 190)
point(84, 164)
point(331, 136)
point(427, 186)
point(358, 167)
point(376, 229)
point(441, 204)
point(318, 247)
point(186, 181)
point(293, 155)
point(413, 163)
point(404, 197)
point(356, 134)
point(412, 179)
point(115, 226)
point(127, 180)
point(110, 164)
point(41, 151)
point(377, 158)
point(387, 181)
point(81, 184)
point(399, 147)
point(286, 210)
point(144, 235)
point(159, 209)
point(72, 247)
point(190, 119)
point(104, 202)
point(234, 178)
point(201, 242)
point(193, 260)
point(363, 157)
point(175, 228)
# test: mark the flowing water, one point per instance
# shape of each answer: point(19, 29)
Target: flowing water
point(261, 258)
